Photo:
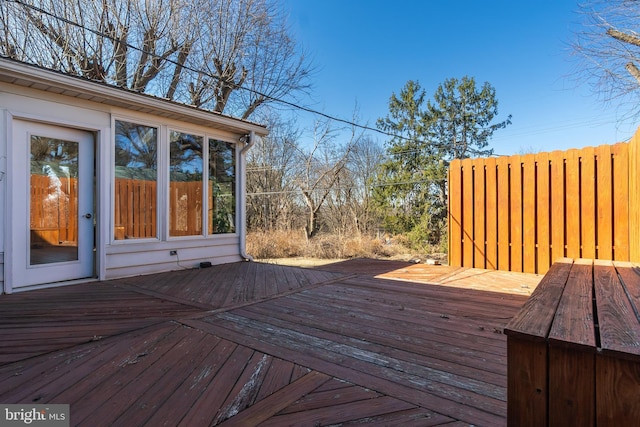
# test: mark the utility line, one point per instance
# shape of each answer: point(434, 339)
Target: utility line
point(350, 187)
point(188, 68)
point(269, 97)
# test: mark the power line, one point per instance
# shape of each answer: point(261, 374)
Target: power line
point(350, 187)
point(98, 33)
point(188, 68)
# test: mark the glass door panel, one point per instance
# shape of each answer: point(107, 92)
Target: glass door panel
point(54, 201)
point(51, 190)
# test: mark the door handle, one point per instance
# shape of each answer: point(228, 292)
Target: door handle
point(88, 216)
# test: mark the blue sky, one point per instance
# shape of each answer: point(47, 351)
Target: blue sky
point(365, 50)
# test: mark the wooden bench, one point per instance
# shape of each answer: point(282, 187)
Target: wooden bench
point(574, 348)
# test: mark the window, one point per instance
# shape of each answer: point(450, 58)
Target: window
point(185, 186)
point(196, 200)
point(222, 187)
point(136, 176)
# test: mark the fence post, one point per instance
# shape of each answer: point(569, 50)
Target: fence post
point(455, 213)
point(634, 197)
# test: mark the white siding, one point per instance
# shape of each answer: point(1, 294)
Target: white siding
point(113, 258)
point(143, 258)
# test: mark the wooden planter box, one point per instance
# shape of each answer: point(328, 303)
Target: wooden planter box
point(574, 348)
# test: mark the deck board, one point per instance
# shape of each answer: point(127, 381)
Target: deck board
point(35, 322)
point(437, 388)
point(251, 343)
point(387, 340)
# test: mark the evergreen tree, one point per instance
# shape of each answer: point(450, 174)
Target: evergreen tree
point(411, 186)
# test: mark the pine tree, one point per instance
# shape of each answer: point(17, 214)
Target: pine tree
point(411, 186)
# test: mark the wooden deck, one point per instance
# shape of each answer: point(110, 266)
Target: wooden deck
point(249, 344)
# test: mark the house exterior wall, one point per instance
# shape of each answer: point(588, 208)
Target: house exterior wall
point(3, 186)
point(114, 258)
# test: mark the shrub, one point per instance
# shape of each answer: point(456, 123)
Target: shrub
point(291, 244)
point(275, 244)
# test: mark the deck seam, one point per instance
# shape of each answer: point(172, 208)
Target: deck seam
point(155, 294)
point(385, 386)
point(269, 298)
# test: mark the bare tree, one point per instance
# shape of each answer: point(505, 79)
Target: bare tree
point(231, 56)
point(321, 168)
point(349, 207)
point(252, 47)
point(609, 49)
point(95, 39)
point(365, 160)
point(271, 185)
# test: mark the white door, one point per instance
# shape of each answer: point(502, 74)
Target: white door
point(52, 230)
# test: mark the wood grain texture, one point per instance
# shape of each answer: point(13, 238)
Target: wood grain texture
point(467, 213)
point(504, 215)
point(536, 317)
point(516, 212)
point(588, 232)
point(479, 215)
point(251, 343)
point(543, 215)
point(620, 202)
point(634, 198)
point(558, 202)
point(527, 383)
point(590, 360)
point(491, 204)
point(605, 202)
point(530, 216)
point(571, 387)
point(617, 317)
point(617, 391)
point(573, 323)
point(455, 212)
point(578, 203)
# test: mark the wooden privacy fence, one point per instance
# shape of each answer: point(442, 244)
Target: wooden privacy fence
point(520, 213)
point(51, 203)
point(135, 208)
point(54, 207)
point(136, 205)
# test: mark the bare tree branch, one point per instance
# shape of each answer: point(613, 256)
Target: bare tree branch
point(624, 37)
point(231, 56)
point(634, 71)
point(607, 48)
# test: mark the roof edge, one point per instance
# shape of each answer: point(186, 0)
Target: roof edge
point(66, 82)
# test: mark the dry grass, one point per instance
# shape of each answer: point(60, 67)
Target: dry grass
point(294, 244)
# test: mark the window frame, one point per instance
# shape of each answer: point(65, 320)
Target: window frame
point(163, 180)
point(167, 187)
point(159, 179)
point(236, 186)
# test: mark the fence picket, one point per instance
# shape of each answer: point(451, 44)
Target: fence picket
point(572, 203)
point(455, 212)
point(491, 217)
point(634, 198)
point(605, 202)
point(521, 213)
point(479, 210)
point(620, 202)
point(543, 213)
point(516, 214)
point(504, 214)
point(529, 218)
point(588, 202)
point(467, 212)
point(557, 205)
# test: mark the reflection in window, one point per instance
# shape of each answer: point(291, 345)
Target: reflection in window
point(185, 188)
point(53, 200)
point(136, 173)
point(222, 186)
